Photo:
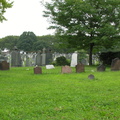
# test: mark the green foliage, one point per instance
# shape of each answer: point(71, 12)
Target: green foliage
point(4, 4)
point(26, 41)
point(55, 96)
point(107, 57)
point(61, 61)
point(8, 42)
point(85, 23)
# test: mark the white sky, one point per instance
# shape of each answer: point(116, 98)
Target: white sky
point(25, 15)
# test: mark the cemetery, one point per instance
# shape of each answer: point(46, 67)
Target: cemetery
point(70, 74)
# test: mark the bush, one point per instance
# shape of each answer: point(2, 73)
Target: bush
point(61, 61)
point(106, 58)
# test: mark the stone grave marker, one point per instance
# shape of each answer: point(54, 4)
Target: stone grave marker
point(4, 65)
point(37, 70)
point(50, 67)
point(66, 69)
point(74, 59)
point(43, 55)
point(91, 76)
point(38, 60)
point(101, 68)
point(80, 68)
point(115, 65)
point(49, 56)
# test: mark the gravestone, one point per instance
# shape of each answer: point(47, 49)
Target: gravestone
point(80, 68)
point(37, 70)
point(115, 65)
point(50, 66)
point(48, 56)
point(16, 58)
point(74, 59)
point(43, 57)
point(101, 68)
point(4, 65)
point(66, 69)
point(91, 77)
point(38, 59)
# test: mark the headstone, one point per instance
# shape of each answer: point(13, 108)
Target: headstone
point(115, 65)
point(74, 59)
point(37, 70)
point(38, 60)
point(50, 66)
point(16, 58)
point(80, 68)
point(4, 65)
point(48, 57)
point(66, 69)
point(43, 55)
point(101, 68)
point(91, 76)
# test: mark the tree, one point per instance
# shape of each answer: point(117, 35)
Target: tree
point(85, 24)
point(4, 4)
point(8, 42)
point(26, 41)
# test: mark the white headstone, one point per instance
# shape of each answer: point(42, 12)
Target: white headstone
point(74, 59)
point(50, 66)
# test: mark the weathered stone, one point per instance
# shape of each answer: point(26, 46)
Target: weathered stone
point(37, 70)
point(50, 66)
point(38, 60)
point(115, 65)
point(66, 69)
point(91, 76)
point(80, 68)
point(4, 65)
point(101, 68)
point(74, 59)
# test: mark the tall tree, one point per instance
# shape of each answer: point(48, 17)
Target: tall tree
point(26, 41)
point(4, 4)
point(85, 23)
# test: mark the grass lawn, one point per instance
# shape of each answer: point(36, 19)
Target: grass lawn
point(56, 96)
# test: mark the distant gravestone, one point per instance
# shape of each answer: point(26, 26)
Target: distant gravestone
point(80, 68)
point(37, 70)
point(66, 69)
point(49, 57)
point(91, 76)
point(115, 65)
point(43, 55)
point(101, 68)
point(16, 60)
point(4, 65)
point(74, 59)
point(50, 67)
point(38, 60)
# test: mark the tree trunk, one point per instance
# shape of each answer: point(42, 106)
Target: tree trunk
point(90, 53)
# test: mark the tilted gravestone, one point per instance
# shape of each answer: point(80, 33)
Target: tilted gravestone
point(16, 60)
point(66, 69)
point(4, 65)
point(38, 59)
point(101, 68)
point(115, 65)
point(80, 68)
point(37, 70)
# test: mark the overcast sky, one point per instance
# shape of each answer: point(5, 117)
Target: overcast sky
point(25, 15)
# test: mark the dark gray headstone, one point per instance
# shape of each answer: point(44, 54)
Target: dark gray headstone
point(37, 70)
point(66, 69)
point(101, 68)
point(115, 65)
point(48, 57)
point(43, 57)
point(80, 68)
point(38, 59)
point(4, 65)
point(91, 76)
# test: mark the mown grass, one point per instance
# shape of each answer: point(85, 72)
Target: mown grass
point(56, 96)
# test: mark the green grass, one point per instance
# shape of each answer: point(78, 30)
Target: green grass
point(56, 96)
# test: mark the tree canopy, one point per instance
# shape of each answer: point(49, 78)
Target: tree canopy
point(85, 23)
point(4, 4)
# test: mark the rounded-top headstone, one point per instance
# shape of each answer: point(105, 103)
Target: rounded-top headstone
point(91, 76)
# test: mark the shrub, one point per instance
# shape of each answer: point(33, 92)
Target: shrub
point(61, 61)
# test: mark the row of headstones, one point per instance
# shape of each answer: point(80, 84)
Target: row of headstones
point(40, 59)
point(115, 66)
